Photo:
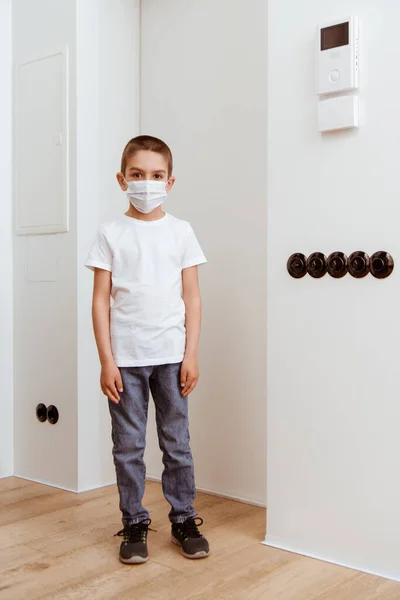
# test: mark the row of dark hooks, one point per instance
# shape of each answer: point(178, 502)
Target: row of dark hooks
point(47, 413)
point(358, 264)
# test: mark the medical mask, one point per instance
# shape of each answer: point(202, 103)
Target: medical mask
point(146, 195)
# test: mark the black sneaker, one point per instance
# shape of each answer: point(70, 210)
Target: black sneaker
point(188, 537)
point(133, 549)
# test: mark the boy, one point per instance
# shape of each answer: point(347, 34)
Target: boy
point(148, 341)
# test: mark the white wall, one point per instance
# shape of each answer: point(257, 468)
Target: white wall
point(333, 409)
point(6, 264)
point(108, 113)
point(203, 90)
point(56, 359)
point(45, 313)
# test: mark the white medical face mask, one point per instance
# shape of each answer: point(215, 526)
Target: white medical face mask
point(146, 195)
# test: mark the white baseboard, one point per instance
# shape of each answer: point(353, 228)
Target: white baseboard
point(67, 489)
point(149, 478)
point(218, 494)
point(276, 543)
point(97, 486)
point(43, 482)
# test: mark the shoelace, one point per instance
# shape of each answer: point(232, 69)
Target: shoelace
point(135, 532)
point(190, 527)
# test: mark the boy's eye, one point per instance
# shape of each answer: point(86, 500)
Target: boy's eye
point(158, 176)
point(136, 175)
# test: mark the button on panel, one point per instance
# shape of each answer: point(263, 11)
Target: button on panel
point(334, 75)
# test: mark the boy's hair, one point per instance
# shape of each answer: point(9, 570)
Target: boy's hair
point(146, 142)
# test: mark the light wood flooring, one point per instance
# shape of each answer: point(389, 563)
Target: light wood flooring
point(59, 545)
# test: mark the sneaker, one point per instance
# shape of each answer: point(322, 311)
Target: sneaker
point(188, 537)
point(133, 549)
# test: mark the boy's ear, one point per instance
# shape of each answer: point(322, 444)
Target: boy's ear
point(170, 183)
point(122, 182)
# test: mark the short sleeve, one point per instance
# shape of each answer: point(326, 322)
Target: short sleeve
point(100, 255)
point(192, 252)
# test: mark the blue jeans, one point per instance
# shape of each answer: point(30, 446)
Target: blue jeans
point(129, 420)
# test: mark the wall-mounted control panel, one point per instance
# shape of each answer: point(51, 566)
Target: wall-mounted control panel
point(338, 51)
point(338, 56)
point(338, 112)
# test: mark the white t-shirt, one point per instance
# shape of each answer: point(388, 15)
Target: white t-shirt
point(146, 259)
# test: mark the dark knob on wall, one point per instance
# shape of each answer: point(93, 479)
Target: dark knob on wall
point(52, 414)
point(41, 412)
point(358, 264)
point(316, 265)
point(381, 265)
point(297, 265)
point(337, 265)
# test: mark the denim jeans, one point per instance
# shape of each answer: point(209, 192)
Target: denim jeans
point(129, 420)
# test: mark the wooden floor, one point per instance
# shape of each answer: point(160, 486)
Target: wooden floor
point(60, 545)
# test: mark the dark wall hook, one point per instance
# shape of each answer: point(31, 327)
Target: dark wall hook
point(297, 265)
point(337, 265)
point(381, 265)
point(316, 265)
point(358, 264)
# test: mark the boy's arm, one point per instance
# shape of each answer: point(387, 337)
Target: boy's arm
point(111, 382)
point(192, 300)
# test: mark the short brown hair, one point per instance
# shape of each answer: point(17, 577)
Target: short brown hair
point(146, 142)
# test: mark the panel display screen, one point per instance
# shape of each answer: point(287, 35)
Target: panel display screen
point(335, 36)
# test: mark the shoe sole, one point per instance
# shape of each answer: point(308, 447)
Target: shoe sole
point(196, 556)
point(135, 560)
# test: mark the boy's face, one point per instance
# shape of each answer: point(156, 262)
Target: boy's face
point(146, 165)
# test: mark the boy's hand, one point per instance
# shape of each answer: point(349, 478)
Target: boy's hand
point(189, 375)
point(111, 381)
